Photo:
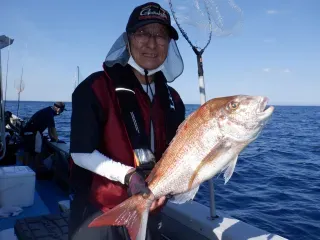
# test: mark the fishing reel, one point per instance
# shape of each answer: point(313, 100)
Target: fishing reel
point(145, 161)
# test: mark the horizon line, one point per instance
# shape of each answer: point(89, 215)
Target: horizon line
point(275, 104)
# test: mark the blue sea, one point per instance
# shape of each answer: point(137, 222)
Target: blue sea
point(276, 184)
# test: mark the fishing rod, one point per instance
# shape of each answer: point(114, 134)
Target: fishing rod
point(19, 87)
point(77, 78)
point(78, 71)
point(7, 72)
point(4, 42)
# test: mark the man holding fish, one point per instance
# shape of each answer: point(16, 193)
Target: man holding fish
point(116, 144)
point(123, 119)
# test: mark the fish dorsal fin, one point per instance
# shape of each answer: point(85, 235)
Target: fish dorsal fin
point(229, 169)
point(184, 197)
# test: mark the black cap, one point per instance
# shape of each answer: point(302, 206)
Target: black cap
point(60, 105)
point(150, 13)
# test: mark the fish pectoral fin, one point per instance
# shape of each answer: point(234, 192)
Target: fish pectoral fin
point(229, 169)
point(184, 197)
point(132, 213)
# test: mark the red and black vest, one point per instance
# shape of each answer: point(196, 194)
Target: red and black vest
point(119, 136)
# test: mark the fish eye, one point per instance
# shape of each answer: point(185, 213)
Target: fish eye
point(233, 105)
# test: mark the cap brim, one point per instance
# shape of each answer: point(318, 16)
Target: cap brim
point(173, 32)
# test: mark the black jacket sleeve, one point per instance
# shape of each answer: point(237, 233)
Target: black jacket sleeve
point(86, 122)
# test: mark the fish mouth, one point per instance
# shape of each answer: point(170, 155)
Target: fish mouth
point(264, 113)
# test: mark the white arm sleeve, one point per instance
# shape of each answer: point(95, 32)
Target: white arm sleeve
point(100, 164)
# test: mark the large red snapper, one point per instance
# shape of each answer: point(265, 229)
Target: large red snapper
point(207, 142)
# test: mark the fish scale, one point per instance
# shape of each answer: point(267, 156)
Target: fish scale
point(188, 153)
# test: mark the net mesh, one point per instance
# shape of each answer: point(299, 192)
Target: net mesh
point(199, 20)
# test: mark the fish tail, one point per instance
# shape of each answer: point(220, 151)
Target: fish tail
point(132, 213)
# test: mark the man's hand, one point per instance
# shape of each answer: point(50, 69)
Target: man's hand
point(158, 203)
point(136, 183)
point(53, 133)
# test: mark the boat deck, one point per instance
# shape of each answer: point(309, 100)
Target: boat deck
point(44, 220)
point(46, 198)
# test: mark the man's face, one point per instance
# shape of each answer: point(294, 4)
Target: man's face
point(57, 110)
point(149, 45)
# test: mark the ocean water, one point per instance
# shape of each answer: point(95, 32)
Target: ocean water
point(276, 184)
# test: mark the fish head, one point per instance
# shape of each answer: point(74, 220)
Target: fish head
point(242, 117)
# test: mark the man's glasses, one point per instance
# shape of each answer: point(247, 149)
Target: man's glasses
point(143, 37)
